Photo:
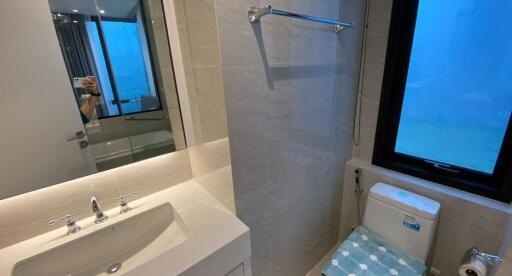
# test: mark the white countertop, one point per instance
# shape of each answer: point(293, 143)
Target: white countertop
point(210, 228)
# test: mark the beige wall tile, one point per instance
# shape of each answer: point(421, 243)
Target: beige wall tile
point(211, 167)
point(170, 169)
point(186, 55)
point(376, 45)
point(27, 215)
point(211, 103)
point(202, 29)
point(200, 47)
point(238, 43)
point(505, 269)
point(210, 156)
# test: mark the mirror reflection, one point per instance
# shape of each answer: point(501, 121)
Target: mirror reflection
point(115, 59)
point(88, 86)
point(92, 85)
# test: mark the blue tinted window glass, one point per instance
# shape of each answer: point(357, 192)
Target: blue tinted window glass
point(101, 66)
point(458, 96)
point(129, 60)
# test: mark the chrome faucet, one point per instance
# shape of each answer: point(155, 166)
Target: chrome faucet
point(70, 222)
point(124, 203)
point(98, 211)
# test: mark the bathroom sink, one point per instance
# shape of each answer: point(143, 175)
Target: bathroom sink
point(181, 230)
point(116, 247)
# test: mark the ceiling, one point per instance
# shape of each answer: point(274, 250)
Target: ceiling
point(110, 8)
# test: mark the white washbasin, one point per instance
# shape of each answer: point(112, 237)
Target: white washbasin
point(181, 231)
point(129, 241)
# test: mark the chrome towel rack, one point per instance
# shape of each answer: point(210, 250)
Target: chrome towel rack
point(256, 13)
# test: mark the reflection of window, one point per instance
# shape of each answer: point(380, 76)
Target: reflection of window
point(102, 72)
point(131, 66)
point(447, 95)
point(124, 49)
point(116, 51)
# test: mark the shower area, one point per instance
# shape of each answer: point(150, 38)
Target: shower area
point(123, 44)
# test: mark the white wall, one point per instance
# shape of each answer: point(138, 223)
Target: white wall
point(37, 108)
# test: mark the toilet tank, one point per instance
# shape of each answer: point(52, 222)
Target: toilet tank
point(403, 218)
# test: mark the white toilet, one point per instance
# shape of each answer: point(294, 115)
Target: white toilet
point(395, 238)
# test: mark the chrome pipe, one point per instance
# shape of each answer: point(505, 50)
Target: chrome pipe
point(256, 13)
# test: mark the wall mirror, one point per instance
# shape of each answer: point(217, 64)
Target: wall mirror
point(115, 70)
point(92, 86)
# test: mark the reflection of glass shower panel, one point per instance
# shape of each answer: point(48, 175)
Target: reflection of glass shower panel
point(121, 151)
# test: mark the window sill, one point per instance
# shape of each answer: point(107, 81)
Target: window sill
point(430, 188)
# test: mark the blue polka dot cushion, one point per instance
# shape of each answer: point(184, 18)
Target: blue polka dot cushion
point(363, 253)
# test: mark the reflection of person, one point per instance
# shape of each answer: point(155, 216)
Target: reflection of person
point(87, 108)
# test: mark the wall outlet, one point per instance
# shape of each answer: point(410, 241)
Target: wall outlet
point(434, 272)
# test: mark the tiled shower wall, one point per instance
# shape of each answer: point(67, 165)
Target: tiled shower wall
point(290, 94)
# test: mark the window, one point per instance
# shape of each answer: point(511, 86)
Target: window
point(116, 51)
point(112, 108)
point(131, 66)
point(446, 99)
point(123, 60)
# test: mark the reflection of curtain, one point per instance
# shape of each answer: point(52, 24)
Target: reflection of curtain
point(72, 35)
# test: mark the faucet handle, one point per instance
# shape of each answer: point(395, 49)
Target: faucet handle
point(70, 222)
point(68, 218)
point(124, 202)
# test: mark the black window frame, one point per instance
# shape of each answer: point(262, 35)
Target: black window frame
point(97, 19)
point(400, 40)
